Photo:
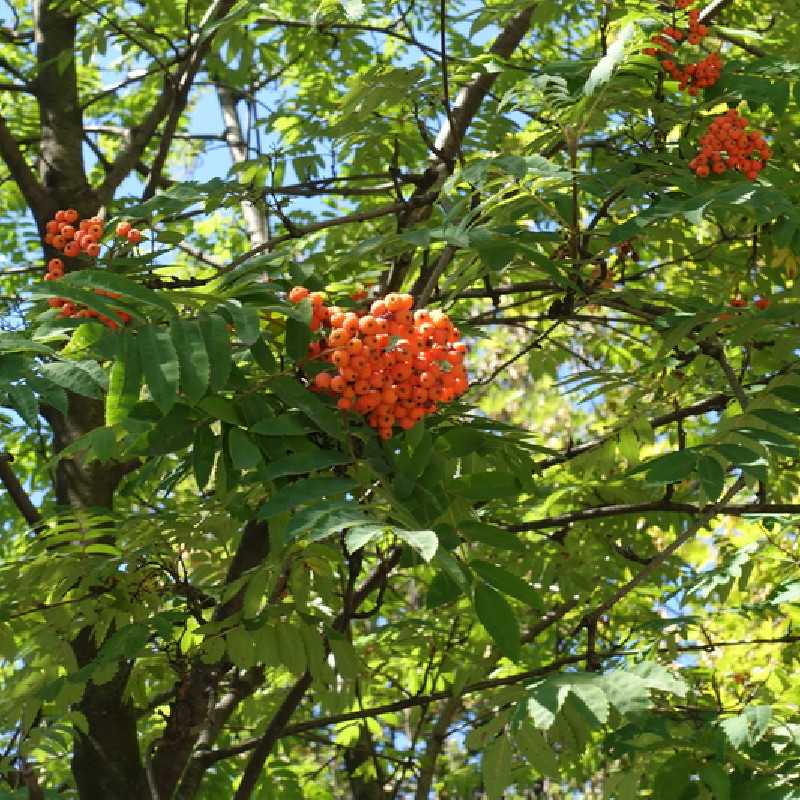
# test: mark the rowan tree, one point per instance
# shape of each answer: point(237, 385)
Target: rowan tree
point(400, 400)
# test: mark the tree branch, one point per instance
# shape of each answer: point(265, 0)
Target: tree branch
point(275, 730)
point(706, 516)
point(18, 495)
point(661, 506)
point(299, 233)
point(23, 175)
point(452, 134)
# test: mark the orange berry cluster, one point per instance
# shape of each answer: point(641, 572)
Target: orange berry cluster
point(391, 364)
point(62, 233)
point(694, 76)
point(69, 309)
point(727, 145)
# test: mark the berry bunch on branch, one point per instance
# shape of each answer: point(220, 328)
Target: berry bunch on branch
point(390, 364)
point(726, 145)
point(692, 76)
point(73, 236)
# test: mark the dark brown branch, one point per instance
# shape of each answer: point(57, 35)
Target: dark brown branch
point(707, 514)
point(298, 232)
point(453, 132)
point(716, 403)
point(660, 506)
point(14, 488)
point(23, 175)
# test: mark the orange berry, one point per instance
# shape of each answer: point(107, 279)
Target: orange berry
point(59, 242)
point(338, 384)
point(341, 358)
point(72, 249)
point(61, 216)
point(52, 227)
point(339, 338)
point(93, 250)
point(367, 324)
point(134, 236)
point(71, 216)
point(56, 266)
point(323, 380)
point(298, 294)
point(378, 308)
point(344, 403)
point(123, 229)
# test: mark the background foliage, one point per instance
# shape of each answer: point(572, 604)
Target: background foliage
point(579, 581)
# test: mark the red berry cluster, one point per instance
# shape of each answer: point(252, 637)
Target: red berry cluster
point(727, 145)
point(738, 301)
point(62, 233)
point(391, 364)
point(694, 76)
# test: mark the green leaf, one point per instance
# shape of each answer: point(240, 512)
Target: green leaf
point(354, 9)
point(538, 753)
point(24, 401)
point(507, 583)
point(304, 462)
point(125, 381)
point(498, 619)
point(657, 676)
point(76, 376)
point(282, 425)
point(19, 343)
point(298, 337)
point(673, 778)
point(204, 449)
point(126, 288)
point(717, 779)
point(241, 647)
point(362, 535)
point(736, 730)
point(481, 532)
point(263, 356)
point(672, 467)
point(193, 359)
point(442, 590)
point(307, 490)
point(244, 453)
point(218, 347)
point(125, 643)
point(712, 476)
point(246, 321)
point(160, 365)
point(496, 767)
point(295, 395)
point(749, 727)
point(780, 419)
point(424, 542)
point(737, 454)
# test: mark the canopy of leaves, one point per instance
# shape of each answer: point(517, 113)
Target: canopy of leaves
point(580, 580)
